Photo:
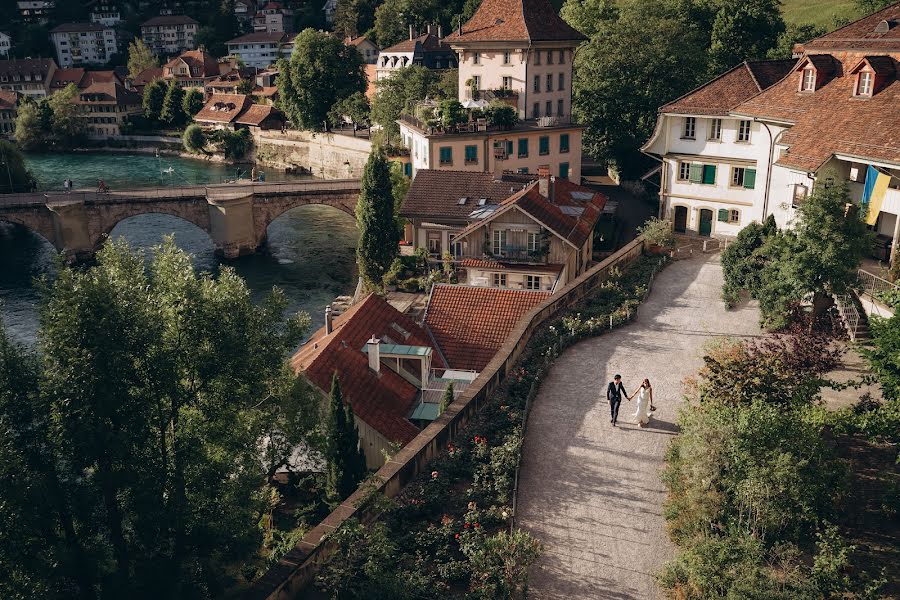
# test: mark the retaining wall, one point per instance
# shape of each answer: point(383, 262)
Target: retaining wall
point(296, 570)
point(326, 155)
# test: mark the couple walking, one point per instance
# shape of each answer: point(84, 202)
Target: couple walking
point(614, 392)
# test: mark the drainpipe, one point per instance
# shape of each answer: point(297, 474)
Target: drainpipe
point(768, 169)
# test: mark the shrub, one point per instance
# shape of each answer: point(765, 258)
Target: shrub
point(501, 115)
point(194, 139)
point(658, 232)
point(500, 564)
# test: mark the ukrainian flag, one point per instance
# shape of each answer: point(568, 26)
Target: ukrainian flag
point(873, 193)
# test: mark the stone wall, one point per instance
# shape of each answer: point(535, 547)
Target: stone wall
point(326, 155)
point(294, 572)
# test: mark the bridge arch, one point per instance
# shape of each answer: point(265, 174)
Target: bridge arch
point(267, 210)
point(183, 237)
point(41, 225)
point(108, 217)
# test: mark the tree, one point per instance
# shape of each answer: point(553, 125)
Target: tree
point(743, 261)
point(354, 17)
point(743, 30)
point(345, 458)
point(66, 127)
point(355, 107)
point(140, 57)
point(446, 399)
point(883, 355)
point(870, 6)
point(793, 34)
point(391, 25)
point(194, 139)
point(653, 51)
point(32, 122)
point(502, 115)
point(321, 71)
point(379, 235)
point(587, 16)
point(400, 92)
point(192, 103)
point(172, 112)
point(220, 27)
point(154, 97)
point(245, 86)
point(14, 175)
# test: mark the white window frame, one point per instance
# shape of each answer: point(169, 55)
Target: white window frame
point(684, 171)
point(506, 82)
point(865, 89)
point(507, 57)
point(715, 130)
point(737, 177)
point(808, 80)
point(734, 216)
point(498, 241)
point(534, 241)
point(743, 134)
point(689, 128)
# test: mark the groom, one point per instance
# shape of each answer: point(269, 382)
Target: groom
point(614, 392)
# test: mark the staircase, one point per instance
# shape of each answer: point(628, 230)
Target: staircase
point(853, 317)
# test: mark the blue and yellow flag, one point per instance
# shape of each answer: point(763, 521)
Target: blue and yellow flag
point(873, 193)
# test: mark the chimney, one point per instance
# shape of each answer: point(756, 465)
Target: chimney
point(440, 32)
point(329, 327)
point(544, 181)
point(373, 347)
point(411, 34)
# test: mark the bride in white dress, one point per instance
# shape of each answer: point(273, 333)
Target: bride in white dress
point(645, 401)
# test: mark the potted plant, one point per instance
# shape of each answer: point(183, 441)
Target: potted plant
point(658, 235)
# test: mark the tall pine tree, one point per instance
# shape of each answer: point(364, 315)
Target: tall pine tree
point(172, 112)
point(379, 236)
point(346, 461)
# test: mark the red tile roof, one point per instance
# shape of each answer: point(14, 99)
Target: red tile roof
point(256, 114)
point(477, 263)
point(264, 37)
point(470, 324)
point(27, 66)
point(8, 100)
point(515, 20)
point(435, 194)
point(163, 20)
point(200, 64)
point(722, 94)
point(863, 34)
point(63, 77)
point(146, 76)
point(223, 108)
point(382, 400)
point(427, 42)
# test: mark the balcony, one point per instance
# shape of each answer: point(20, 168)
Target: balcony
point(516, 254)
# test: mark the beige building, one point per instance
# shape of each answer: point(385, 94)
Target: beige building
point(9, 102)
point(105, 105)
point(28, 76)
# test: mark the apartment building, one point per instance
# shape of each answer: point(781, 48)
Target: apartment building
point(261, 49)
point(274, 17)
point(28, 76)
point(83, 44)
point(5, 44)
point(106, 13)
point(36, 11)
point(105, 104)
point(744, 147)
point(169, 34)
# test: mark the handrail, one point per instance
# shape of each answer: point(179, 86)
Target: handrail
point(850, 314)
point(872, 284)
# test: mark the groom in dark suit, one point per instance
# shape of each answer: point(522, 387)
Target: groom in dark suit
point(614, 392)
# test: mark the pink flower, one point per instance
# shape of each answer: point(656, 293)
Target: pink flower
point(467, 525)
point(434, 474)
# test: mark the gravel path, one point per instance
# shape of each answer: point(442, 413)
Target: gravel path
point(591, 492)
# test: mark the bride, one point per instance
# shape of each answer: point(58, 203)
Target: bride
point(645, 400)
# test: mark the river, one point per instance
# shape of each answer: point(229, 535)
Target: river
point(310, 252)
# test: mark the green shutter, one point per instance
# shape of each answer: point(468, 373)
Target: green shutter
point(544, 144)
point(709, 174)
point(749, 178)
point(446, 155)
point(509, 148)
point(723, 215)
point(471, 153)
point(523, 147)
point(696, 174)
point(564, 142)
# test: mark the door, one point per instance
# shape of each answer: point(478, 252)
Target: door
point(706, 217)
point(681, 215)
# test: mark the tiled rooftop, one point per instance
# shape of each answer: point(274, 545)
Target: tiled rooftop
point(513, 21)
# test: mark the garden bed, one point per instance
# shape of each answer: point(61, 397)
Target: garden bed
point(451, 531)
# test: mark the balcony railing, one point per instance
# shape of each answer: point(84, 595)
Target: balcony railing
point(517, 254)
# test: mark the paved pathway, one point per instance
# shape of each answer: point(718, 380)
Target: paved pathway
point(592, 492)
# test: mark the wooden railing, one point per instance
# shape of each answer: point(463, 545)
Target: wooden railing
point(296, 570)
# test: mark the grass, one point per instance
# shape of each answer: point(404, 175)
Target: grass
point(826, 13)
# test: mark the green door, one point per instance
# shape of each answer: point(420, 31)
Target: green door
point(706, 217)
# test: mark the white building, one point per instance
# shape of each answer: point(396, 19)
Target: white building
point(80, 44)
point(106, 13)
point(169, 34)
point(35, 11)
point(833, 116)
point(426, 50)
point(261, 49)
point(5, 44)
point(274, 18)
point(244, 10)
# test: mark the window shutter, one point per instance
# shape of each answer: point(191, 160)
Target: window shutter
point(696, 174)
point(749, 178)
point(709, 174)
point(723, 215)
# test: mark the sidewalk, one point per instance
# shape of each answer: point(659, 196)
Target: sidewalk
point(590, 492)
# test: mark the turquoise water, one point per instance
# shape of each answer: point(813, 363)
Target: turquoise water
point(310, 252)
point(120, 170)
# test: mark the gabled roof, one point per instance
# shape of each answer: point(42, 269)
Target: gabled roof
point(515, 21)
point(822, 63)
point(79, 27)
point(881, 65)
point(64, 77)
point(262, 37)
point(437, 194)
point(427, 42)
point(470, 323)
point(722, 94)
point(358, 40)
point(200, 63)
point(879, 31)
point(30, 66)
point(108, 91)
point(163, 20)
point(383, 400)
point(146, 76)
point(256, 114)
point(223, 108)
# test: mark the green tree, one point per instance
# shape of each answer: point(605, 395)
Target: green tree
point(502, 115)
point(653, 51)
point(245, 86)
point(192, 103)
point(883, 355)
point(14, 175)
point(446, 399)
point(218, 28)
point(400, 92)
point(743, 259)
point(793, 34)
point(194, 139)
point(321, 71)
point(870, 6)
point(172, 112)
point(587, 16)
point(391, 25)
point(379, 235)
point(355, 107)
point(354, 17)
point(66, 127)
point(743, 30)
point(154, 97)
point(32, 125)
point(345, 458)
point(140, 57)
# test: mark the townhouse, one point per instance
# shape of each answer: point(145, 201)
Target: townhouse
point(28, 76)
point(105, 104)
point(238, 111)
point(36, 11)
point(169, 34)
point(833, 117)
point(261, 49)
point(193, 69)
point(84, 44)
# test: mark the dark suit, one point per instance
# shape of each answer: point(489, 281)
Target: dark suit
point(614, 394)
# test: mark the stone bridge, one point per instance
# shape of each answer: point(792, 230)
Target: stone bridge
point(235, 216)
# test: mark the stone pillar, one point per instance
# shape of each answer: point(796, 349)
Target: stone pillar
point(231, 224)
point(70, 225)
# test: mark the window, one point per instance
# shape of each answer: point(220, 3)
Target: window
point(559, 107)
point(476, 81)
point(564, 142)
point(684, 171)
point(476, 58)
point(499, 241)
point(734, 216)
point(715, 129)
point(549, 57)
point(434, 242)
point(534, 241)
point(507, 83)
point(506, 58)
point(864, 84)
point(544, 145)
point(446, 155)
point(509, 148)
point(808, 83)
point(742, 177)
point(537, 83)
point(471, 155)
point(548, 108)
point(549, 82)
point(743, 131)
point(688, 127)
point(562, 57)
point(536, 112)
point(537, 57)
point(561, 83)
point(523, 147)
point(532, 282)
point(499, 279)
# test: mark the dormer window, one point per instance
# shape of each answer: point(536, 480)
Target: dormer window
point(809, 80)
point(864, 83)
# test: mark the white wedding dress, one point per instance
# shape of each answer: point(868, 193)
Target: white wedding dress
point(642, 413)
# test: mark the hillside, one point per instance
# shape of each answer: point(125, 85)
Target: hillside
point(819, 12)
